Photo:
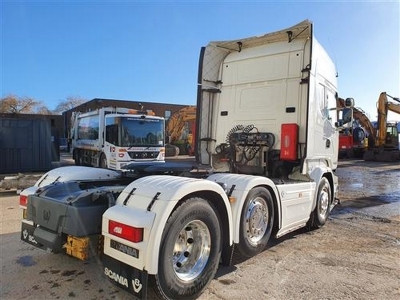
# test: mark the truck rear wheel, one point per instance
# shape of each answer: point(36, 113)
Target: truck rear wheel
point(256, 222)
point(321, 211)
point(190, 250)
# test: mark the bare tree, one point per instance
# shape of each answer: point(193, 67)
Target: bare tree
point(68, 104)
point(43, 110)
point(18, 105)
point(27, 105)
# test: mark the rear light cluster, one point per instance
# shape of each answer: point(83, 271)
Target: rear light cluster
point(124, 231)
point(23, 200)
point(289, 141)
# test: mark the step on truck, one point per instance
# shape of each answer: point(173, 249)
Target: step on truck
point(266, 150)
point(113, 137)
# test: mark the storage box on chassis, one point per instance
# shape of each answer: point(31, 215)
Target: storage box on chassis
point(68, 217)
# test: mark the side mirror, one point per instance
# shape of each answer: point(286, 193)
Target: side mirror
point(349, 102)
point(344, 113)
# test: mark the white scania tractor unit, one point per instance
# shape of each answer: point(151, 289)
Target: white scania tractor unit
point(266, 149)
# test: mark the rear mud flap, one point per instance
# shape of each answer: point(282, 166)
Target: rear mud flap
point(126, 277)
point(27, 236)
point(41, 238)
point(50, 239)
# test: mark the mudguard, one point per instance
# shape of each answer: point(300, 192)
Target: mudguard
point(147, 203)
point(240, 185)
point(75, 173)
point(316, 174)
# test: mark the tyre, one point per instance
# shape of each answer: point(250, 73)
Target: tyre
point(358, 135)
point(256, 222)
point(78, 158)
point(190, 250)
point(103, 161)
point(322, 206)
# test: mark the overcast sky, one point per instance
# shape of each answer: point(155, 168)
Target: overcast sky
point(149, 50)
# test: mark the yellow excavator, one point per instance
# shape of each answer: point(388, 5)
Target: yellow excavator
point(385, 137)
point(180, 132)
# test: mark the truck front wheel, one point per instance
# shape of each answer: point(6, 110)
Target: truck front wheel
point(190, 250)
point(321, 212)
point(103, 161)
point(256, 222)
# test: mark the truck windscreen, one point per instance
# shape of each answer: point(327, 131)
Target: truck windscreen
point(137, 132)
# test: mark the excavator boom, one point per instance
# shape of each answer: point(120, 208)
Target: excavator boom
point(176, 125)
point(386, 146)
point(383, 107)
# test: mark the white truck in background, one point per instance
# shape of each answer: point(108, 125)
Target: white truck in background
point(267, 146)
point(113, 137)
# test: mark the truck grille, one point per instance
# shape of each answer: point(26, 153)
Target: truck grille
point(143, 155)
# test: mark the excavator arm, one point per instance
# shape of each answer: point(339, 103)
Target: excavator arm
point(176, 122)
point(383, 107)
point(386, 147)
point(394, 108)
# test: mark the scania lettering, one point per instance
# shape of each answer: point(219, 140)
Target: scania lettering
point(116, 277)
point(266, 149)
point(115, 137)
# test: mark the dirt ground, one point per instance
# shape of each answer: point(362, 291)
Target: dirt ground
point(356, 255)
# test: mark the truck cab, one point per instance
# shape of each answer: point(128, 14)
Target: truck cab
point(280, 89)
point(112, 137)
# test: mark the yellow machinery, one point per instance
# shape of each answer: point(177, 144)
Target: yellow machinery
point(180, 130)
point(385, 146)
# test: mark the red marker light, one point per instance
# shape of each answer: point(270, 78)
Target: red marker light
point(23, 200)
point(124, 231)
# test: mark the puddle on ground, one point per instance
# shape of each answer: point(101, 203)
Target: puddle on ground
point(26, 261)
point(382, 206)
point(369, 201)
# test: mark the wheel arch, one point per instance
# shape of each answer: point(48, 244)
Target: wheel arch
point(329, 176)
point(224, 216)
point(206, 190)
point(277, 210)
point(317, 175)
point(243, 185)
